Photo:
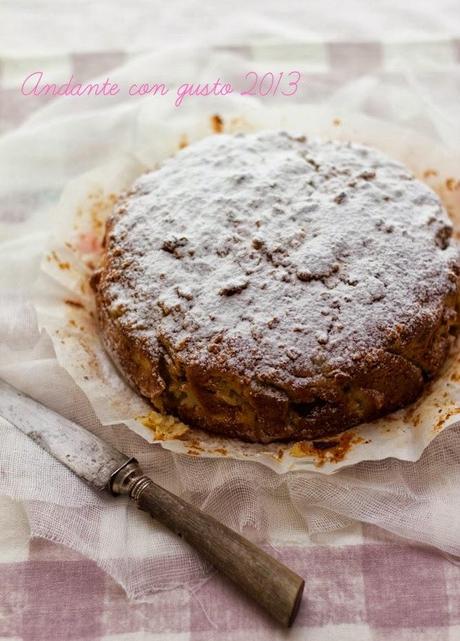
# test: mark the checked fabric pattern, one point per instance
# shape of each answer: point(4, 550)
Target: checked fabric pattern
point(361, 584)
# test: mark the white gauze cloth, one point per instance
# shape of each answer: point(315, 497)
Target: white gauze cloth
point(418, 501)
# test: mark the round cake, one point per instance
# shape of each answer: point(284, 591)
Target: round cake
point(268, 287)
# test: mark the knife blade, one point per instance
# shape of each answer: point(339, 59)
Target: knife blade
point(272, 584)
point(88, 456)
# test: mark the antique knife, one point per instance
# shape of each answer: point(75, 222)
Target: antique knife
point(273, 585)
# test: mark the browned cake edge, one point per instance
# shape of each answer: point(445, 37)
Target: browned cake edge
point(215, 400)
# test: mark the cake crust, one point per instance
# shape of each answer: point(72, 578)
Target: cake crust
point(268, 288)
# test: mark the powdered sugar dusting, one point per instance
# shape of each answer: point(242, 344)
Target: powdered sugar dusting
point(277, 256)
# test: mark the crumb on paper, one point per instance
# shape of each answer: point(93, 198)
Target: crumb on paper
point(428, 173)
point(195, 444)
point(452, 184)
point(336, 122)
point(74, 303)
point(415, 420)
point(164, 427)
point(217, 124)
point(411, 414)
point(278, 455)
point(62, 264)
point(221, 450)
point(183, 142)
point(441, 422)
point(74, 324)
point(329, 451)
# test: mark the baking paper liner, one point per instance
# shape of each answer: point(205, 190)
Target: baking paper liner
point(66, 310)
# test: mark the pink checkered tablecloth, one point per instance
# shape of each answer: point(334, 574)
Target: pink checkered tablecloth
point(376, 590)
point(363, 585)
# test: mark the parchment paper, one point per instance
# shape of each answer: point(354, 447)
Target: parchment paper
point(65, 304)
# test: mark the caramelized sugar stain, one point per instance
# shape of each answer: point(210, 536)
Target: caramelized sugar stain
point(327, 451)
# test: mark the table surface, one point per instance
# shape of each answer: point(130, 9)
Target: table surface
point(382, 589)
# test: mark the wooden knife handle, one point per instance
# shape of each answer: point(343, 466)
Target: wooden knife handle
point(273, 585)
